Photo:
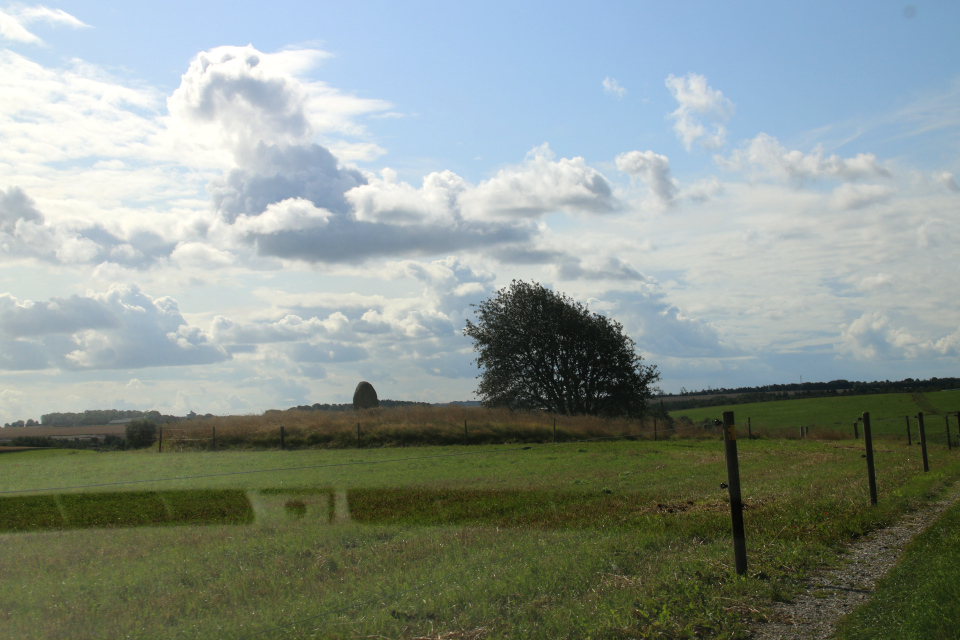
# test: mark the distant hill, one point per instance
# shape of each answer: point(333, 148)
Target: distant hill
point(766, 393)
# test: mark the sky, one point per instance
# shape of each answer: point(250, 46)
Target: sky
point(227, 207)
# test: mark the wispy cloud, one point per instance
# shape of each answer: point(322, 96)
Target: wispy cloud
point(699, 102)
point(13, 22)
point(612, 87)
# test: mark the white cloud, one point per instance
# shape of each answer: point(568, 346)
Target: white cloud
point(122, 328)
point(292, 214)
point(233, 99)
point(857, 196)
point(703, 190)
point(611, 269)
point(652, 168)
point(25, 232)
point(659, 327)
point(765, 156)
point(699, 101)
point(879, 281)
point(54, 115)
point(873, 337)
point(946, 180)
point(540, 185)
point(385, 200)
point(12, 22)
point(611, 86)
point(200, 255)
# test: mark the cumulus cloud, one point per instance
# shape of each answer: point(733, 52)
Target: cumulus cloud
point(659, 327)
point(275, 173)
point(703, 190)
point(652, 168)
point(422, 330)
point(13, 21)
point(344, 216)
point(857, 196)
point(289, 197)
point(122, 328)
point(611, 86)
point(385, 200)
point(872, 336)
point(946, 180)
point(25, 232)
point(541, 185)
point(17, 208)
point(238, 99)
point(698, 102)
point(56, 316)
point(765, 156)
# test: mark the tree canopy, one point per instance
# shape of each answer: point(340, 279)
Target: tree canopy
point(540, 350)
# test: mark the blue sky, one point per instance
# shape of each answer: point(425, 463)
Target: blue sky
point(226, 208)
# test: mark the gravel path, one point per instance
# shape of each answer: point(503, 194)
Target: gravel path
point(832, 594)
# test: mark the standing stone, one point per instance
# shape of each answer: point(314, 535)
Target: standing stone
point(365, 397)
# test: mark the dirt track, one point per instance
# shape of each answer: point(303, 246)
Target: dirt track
point(832, 594)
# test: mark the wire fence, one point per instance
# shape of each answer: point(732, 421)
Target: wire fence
point(461, 569)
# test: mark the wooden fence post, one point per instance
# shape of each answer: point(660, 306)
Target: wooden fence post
point(749, 430)
point(868, 444)
point(923, 441)
point(856, 434)
point(733, 484)
point(909, 436)
point(946, 422)
point(160, 442)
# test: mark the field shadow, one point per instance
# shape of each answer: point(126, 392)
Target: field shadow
point(124, 509)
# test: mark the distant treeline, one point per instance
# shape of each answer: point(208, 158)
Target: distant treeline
point(771, 392)
point(92, 417)
point(348, 406)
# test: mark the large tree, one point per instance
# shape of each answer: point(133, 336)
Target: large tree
point(540, 350)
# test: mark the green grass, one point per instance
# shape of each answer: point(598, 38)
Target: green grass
point(598, 540)
point(125, 509)
point(918, 598)
point(838, 414)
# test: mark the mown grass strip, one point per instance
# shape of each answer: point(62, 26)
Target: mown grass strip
point(918, 598)
point(496, 507)
point(128, 509)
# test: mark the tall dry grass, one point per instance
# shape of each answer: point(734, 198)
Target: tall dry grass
point(407, 426)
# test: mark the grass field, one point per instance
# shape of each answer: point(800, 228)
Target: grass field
point(836, 415)
point(625, 539)
point(391, 427)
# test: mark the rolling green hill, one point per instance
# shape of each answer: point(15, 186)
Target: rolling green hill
point(887, 413)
